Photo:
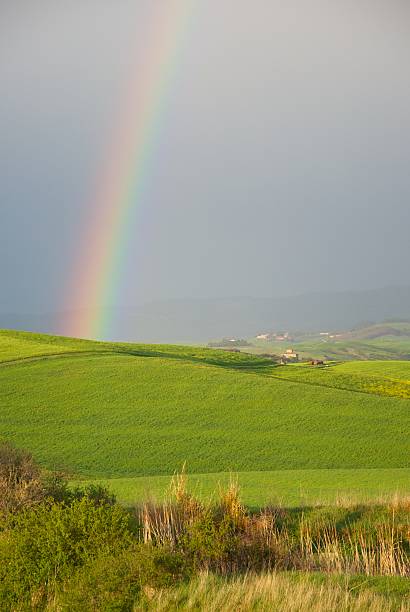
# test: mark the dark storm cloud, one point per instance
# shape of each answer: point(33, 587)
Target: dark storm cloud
point(281, 166)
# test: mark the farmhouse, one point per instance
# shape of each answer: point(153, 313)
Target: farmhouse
point(289, 356)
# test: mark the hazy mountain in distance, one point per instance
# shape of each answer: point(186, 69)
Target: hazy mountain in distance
point(191, 321)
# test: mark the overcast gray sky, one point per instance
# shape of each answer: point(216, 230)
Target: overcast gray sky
point(281, 165)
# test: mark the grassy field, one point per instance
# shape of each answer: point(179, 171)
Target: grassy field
point(133, 414)
point(280, 487)
point(386, 378)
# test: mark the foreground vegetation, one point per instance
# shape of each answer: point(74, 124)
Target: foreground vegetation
point(63, 549)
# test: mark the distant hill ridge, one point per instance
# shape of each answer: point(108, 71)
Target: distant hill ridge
point(189, 320)
point(379, 330)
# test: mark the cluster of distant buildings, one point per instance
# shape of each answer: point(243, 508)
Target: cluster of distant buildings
point(275, 336)
point(326, 335)
point(289, 356)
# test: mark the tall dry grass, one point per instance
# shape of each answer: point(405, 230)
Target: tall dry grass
point(266, 540)
point(164, 524)
point(355, 551)
point(267, 592)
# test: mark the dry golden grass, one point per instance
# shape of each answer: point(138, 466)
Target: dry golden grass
point(267, 592)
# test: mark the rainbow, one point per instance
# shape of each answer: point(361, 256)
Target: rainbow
point(95, 281)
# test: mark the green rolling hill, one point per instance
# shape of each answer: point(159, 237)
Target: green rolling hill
point(132, 414)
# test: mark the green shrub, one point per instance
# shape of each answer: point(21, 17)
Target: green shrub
point(44, 544)
point(116, 583)
point(211, 541)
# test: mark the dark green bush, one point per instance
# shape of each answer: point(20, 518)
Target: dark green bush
point(96, 493)
point(56, 487)
point(211, 542)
